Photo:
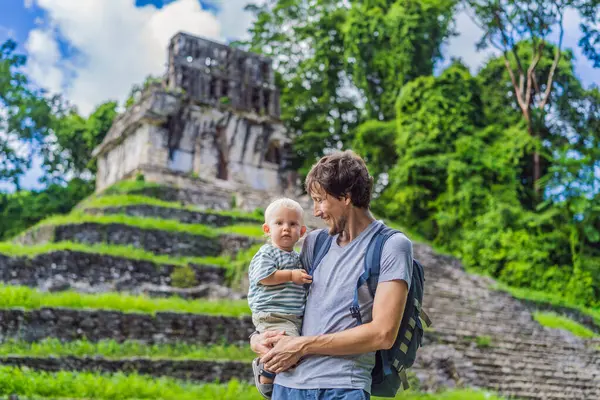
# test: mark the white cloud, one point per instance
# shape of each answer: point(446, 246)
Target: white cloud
point(117, 44)
point(44, 68)
point(463, 45)
point(235, 20)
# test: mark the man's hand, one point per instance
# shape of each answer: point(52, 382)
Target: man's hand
point(300, 277)
point(284, 355)
point(263, 342)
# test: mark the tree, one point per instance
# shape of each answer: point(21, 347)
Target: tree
point(432, 114)
point(69, 150)
point(374, 141)
point(22, 209)
point(391, 42)
point(26, 117)
point(337, 69)
point(507, 25)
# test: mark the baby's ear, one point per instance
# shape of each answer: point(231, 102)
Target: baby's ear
point(266, 228)
point(302, 230)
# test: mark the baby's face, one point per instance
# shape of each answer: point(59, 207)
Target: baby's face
point(285, 228)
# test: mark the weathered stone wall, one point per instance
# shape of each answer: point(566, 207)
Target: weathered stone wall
point(181, 215)
point(211, 72)
point(97, 272)
point(153, 240)
point(213, 143)
point(95, 325)
point(194, 370)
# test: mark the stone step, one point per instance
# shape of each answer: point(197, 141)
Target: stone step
point(577, 377)
point(174, 243)
point(486, 311)
point(513, 344)
point(186, 216)
point(578, 363)
point(442, 288)
point(466, 327)
point(94, 272)
point(189, 370)
point(506, 358)
point(94, 325)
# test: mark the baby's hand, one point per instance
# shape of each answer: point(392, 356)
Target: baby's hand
point(300, 277)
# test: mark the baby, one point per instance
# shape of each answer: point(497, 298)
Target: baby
point(277, 295)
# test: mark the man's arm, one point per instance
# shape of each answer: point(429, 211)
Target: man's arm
point(380, 333)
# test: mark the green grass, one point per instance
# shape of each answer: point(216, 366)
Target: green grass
point(14, 250)
point(110, 349)
point(115, 386)
point(139, 222)
point(27, 298)
point(483, 341)
point(27, 382)
point(130, 200)
point(152, 223)
point(549, 298)
point(124, 187)
point(552, 320)
point(254, 231)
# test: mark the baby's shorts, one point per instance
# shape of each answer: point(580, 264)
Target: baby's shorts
point(269, 321)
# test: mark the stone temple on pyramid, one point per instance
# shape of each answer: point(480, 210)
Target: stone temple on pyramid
point(213, 119)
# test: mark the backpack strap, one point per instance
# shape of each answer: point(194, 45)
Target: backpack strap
point(372, 266)
point(322, 245)
point(370, 276)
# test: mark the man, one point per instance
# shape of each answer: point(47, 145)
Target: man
point(335, 355)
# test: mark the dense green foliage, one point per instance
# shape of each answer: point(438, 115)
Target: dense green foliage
point(22, 209)
point(341, 63)
point(458, 181)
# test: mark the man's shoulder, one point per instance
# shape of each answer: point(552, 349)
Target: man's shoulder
point(398, 242)
point(311, 237)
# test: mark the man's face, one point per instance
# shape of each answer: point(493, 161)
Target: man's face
point(331, 210)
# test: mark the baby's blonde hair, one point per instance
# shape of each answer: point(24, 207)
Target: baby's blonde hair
point(283, 202)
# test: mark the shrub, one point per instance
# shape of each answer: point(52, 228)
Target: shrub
point(184, 277)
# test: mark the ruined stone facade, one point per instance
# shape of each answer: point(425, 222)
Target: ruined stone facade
point(215, 117)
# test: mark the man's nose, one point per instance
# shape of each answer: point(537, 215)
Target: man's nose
point(316, 211)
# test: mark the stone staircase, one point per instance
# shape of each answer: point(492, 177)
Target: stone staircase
point(487, 339)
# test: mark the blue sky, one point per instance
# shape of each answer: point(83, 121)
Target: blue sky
point(94, 50)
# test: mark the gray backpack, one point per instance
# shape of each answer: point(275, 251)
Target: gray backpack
point(390, 368)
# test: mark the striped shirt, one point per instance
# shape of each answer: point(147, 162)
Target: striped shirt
point(285, 298)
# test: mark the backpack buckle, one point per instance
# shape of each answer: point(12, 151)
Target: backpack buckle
point(355, 313)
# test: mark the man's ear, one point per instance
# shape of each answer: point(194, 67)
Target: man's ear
point(347, 200)
point(266, 228)
point(302, 230)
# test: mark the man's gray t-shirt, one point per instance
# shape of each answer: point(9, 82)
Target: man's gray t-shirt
point(328, 303)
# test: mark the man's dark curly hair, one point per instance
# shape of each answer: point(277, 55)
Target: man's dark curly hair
point(340, 174)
